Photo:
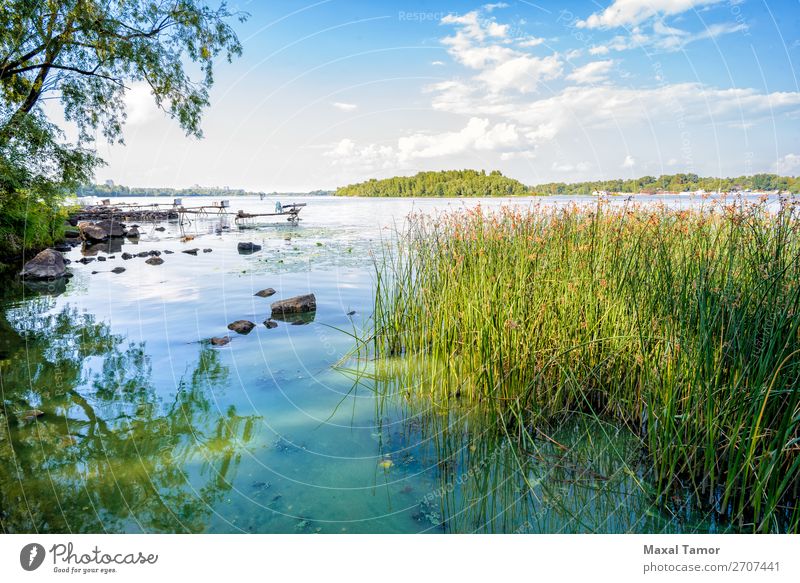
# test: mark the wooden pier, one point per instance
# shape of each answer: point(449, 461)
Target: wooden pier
point(155, 212)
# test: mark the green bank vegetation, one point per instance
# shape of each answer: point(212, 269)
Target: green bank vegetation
point(479, 183)
point(674, 183)
point(681, 325)
point(85, 54)
point(443, 183)
point(113, 190)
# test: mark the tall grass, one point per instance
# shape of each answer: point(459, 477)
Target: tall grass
point(683, 325)
point(27, 225)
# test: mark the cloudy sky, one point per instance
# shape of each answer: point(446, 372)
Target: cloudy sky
point(331, 92)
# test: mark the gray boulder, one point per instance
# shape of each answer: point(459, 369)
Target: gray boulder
point(265, 293)
point(248, 247)
point(154, 261)
point(92, 232)
point(112, 227)
point(295, 305)
point(241, 326)
point(49, 264)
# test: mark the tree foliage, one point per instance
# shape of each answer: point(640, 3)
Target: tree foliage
point(85, 55)
point(444, 183)
point(674, 183)
point(105, 190)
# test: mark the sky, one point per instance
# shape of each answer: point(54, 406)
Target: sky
point(331, 92)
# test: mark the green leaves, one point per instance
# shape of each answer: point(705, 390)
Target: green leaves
point(87, 54)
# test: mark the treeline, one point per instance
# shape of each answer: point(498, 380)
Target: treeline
point(674, 183)
point(106, 191)
point(443, 183)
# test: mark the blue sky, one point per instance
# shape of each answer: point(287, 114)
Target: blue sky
point(332, 92)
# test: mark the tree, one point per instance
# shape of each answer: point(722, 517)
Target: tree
point(85, 54)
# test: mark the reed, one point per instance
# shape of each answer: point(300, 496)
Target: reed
point(681, 324)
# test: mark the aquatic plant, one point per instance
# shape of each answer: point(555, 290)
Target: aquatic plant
point(681, 324)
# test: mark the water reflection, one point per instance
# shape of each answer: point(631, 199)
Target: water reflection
point(579, 475)
point(88, 444)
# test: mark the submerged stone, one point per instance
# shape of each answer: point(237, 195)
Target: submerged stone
point(295, 305)
point(241, 326)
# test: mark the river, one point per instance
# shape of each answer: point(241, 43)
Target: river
point(147, 427)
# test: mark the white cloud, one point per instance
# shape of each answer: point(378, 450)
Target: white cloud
point(581, 108)
point(495, 6)
point(478, 135)
point(140, 105)
point(599, 50)
point(522, 73)
point(629, 162)
point(499, 67)
point(569, 167)
point(519, 154)
point(593, 72)
point(344, 106)
point(437, 63)
point(788, 164)
point(669, 38)
point(531, 41)
point(633, 12)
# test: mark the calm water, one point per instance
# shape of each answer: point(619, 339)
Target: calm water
point(148, 428)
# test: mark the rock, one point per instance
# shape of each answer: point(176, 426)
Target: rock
point(49, 264)
point(112, 256)
point(265, 293)
point(154, 261)
point(113, 227)
point(31, 415)
point(270, 324)
point(72, 242)
point(351, 313)
point(143, 254)
point(118, 270)
point(91, 232)
point(241, 326)
point(127, 256)
point(248, 247)
point(86, 260)
point(191, 251)
point(62, 247)
point(100, 230)
point(155, 253)
point(101, 258)
point(207, 250)
point(161, 229)
point(132, 233)
point(295, 305)
point(220, 341)
point(168, 252)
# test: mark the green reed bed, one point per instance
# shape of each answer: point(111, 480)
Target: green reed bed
point(684, 325)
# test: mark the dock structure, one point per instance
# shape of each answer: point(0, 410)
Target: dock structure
point(126, 212)
point(154, 212)
point(290, 211)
